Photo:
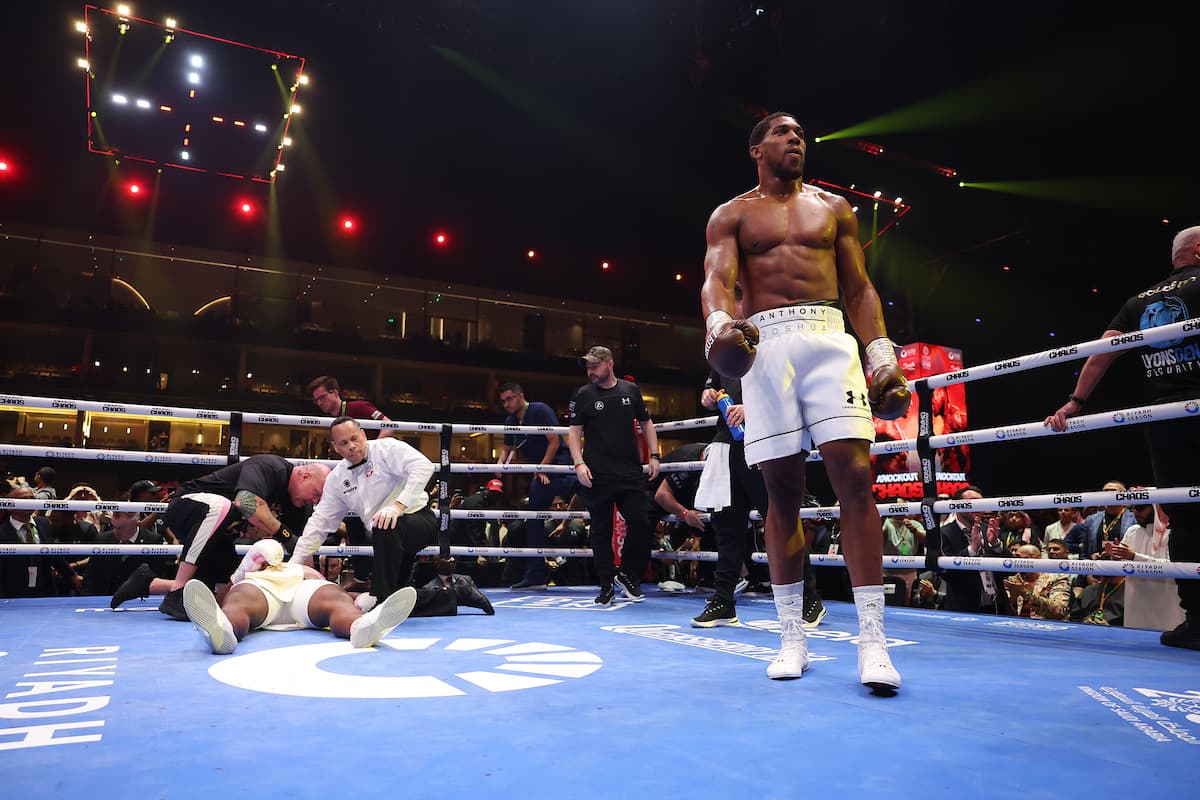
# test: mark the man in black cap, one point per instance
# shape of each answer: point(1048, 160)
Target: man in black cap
point(606, 412)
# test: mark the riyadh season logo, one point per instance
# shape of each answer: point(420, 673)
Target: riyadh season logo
point(406, 667)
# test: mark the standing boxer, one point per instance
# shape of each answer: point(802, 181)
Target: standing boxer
point(794, 249)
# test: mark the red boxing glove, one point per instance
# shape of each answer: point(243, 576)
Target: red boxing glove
point(729, 346)
point(888, 394)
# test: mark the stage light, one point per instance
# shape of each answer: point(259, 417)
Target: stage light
point(170, 23)
point(123, 28)
point(604, 265)
point(260, 128)
point(237, 123)
point(245, 207)
point(196, 61)
point(193, 77)
point(135, 189)
point(82, 63)
point(441, 239)
point(287, 141)
point(168, 38)
point(218, 119)
point(280, 167)
point(878, 195)
point(274, 67)
point(143, 103)
point(119, 99)
point(899, 201)
point(123, 10)
point(3, 166)
point(531, 254)
point(81, 26)
point(347, 223)
point(302, 80)
point(678, 276)
point(184, 155)
point(164, 108)
point(295, 108)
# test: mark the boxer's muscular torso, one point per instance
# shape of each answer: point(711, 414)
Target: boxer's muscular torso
point(784, 251)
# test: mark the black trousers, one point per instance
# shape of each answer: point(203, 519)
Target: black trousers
point(632, 498)
point(733, 530)
point(1174, 445)
point(735, 537)
point(396, 550)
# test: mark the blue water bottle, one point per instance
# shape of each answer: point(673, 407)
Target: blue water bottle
point(724, 401)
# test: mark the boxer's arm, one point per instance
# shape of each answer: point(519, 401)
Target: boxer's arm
point(720, 262)
point(863, 308)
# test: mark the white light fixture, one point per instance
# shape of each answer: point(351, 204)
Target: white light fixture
point(303, 80)
point(193, 78)
point(197, 62)
point(170, 23)
point(81, 26)
point(287, 141)
point(184, 155)
point(143, 103)
point(260, 128)
point(280, 167)
point(123, 10)
point(119, 99)
point(295, 108)
point(82, 63)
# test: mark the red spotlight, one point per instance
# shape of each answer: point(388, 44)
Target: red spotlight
point(135, 189)
point(531, 254)
point(441, 239)
point(244, 207)
point(3, 166)
point(348, 224)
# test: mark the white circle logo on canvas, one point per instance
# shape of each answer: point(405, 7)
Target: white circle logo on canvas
point(335, 669)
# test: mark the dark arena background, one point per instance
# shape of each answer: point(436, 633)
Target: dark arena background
point(205, 206)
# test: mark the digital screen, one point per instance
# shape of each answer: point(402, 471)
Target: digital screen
point(187, 100)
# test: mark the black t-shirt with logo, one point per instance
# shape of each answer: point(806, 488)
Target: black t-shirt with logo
point(263, 475)
point(610, 447)
point(1171, 368)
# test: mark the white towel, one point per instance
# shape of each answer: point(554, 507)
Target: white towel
point(713, 493)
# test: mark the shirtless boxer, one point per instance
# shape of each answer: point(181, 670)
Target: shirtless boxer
point(794, 251)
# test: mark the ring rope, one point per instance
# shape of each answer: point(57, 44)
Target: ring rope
point(1177, 494)
point(1058, 355)
point(1080, 566)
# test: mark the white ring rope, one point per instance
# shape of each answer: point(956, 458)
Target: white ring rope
point(1112, 344)
point(1080, 566)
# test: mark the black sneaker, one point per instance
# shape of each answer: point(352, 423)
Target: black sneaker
point(814, 611)
point(606, 595)
point(172, 606)
point(718, 612)
point(136, 585)
point(1185, 635)
point(629, 587)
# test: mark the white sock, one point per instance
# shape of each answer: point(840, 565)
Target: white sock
point(789, 606)
point(868, 601)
